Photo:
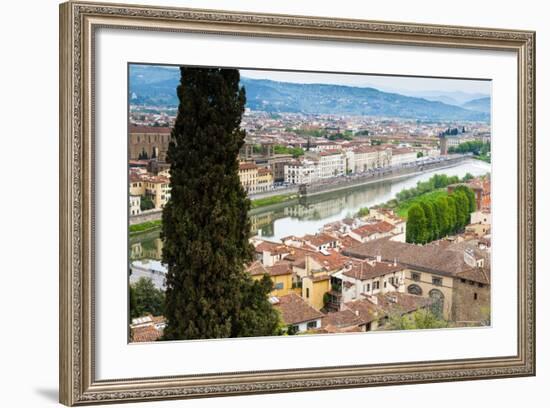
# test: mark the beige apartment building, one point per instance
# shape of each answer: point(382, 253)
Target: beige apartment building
point(157, 188)
point(248, 174)
point(264, 180)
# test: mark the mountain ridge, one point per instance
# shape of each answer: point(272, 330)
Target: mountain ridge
point(157, 86)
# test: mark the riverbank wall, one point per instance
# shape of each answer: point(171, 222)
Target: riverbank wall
point(146, 216)
point(345, 183)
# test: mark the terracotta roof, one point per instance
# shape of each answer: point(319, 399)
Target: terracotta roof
point(145, 334)
point(134, 177)
point(256, 268)
point(280, 268)
point(295, 310)
point(365, 310)
point(150, 129)
point(429, 258)
point(389, 214)
point(272, 247)
point(363, 270)
point(380, 227)
point(247, 166)
point(347, 241)
point(364, 149)
point(479, 275)
point(341, 319)
point(402, 150)
point(319, 239)
point(334, 260)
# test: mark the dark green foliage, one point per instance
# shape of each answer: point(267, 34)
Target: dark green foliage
point(443, 215)
point(470, 195)
point(462, 209)
point(257, 317)
point(205, 223)
point(363, 212)
point(432, 229)
point(145, 299)
point(419, 155)
point(146, 203)
point(449, 132)
point(417, 226)
point(451, 205)
point(294, 151)
point(476, 147)
point(441, 209)
point(420, 319)
point(467, 177)
point(340, 136)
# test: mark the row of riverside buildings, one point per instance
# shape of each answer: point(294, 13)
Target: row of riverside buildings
point(258, 174)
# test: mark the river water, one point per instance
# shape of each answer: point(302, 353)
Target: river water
point(308, 215)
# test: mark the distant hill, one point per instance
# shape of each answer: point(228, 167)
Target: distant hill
point(154, 85)
point(480, 105)
point(457, 98)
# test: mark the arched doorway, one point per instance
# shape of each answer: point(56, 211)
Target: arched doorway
point(438, 300)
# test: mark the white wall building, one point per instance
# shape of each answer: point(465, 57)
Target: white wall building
point(402, 156)
point(304, 171)
point(135, 204)
point(367, 278)
point(331, 164)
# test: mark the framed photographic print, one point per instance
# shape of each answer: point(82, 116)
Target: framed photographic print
point(258, 203)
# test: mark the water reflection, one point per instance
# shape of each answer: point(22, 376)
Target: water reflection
point(308, 215)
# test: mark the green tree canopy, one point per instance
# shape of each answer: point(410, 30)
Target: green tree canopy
point(205, 224)
point(432, 230)
point(420, 319)
point(470, 195)
point(417, 230)
point(451, 207)
point(462, 209)
point(441, 209)
point(145, 299)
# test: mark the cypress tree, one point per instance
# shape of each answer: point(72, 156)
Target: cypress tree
point(205, 225)
point(431, 222)
point(451, 207)
point(470, 195)
point(462, 209)
point(442, 214)
point(416, 225)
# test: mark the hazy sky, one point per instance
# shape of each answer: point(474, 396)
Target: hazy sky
point(383, 83)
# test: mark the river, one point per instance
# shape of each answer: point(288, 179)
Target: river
point(308, 215)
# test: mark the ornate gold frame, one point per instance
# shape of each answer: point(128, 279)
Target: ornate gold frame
point(77, 24)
